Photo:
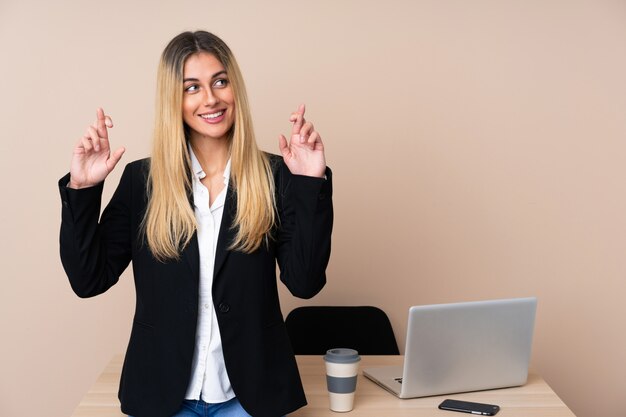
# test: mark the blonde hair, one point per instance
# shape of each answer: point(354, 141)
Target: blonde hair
point(169, 222)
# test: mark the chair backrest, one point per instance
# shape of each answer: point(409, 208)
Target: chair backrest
point(314, 330)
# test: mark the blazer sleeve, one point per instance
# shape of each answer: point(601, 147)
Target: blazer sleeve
point(304, 234)
point(95, 253)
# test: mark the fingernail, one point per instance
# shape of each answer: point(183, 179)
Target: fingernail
point(302, 139)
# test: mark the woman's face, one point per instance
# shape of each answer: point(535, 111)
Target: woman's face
point(208, 100)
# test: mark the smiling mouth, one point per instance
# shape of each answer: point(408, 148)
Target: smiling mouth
point(212, 115)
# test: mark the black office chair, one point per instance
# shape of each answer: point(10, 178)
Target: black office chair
point(314, 330)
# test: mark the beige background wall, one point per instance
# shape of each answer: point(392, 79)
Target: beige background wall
point(478, 150)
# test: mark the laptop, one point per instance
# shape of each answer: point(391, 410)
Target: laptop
point(461, 347)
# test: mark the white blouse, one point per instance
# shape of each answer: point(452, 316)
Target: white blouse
point(208, 376)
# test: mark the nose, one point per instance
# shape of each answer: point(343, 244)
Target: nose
point(210, 99)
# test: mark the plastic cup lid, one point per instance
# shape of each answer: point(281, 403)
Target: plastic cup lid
point(342, 355)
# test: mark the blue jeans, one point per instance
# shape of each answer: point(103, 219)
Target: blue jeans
point(198, 408)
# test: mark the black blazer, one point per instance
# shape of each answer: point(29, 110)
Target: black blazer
point(257, 352)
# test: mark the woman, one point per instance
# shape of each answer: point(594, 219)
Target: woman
point(203, 221)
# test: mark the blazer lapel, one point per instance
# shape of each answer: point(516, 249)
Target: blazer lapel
point(227, 232)
point(192, 256)
point(192, 252)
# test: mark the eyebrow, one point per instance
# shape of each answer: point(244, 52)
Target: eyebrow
point(223, 72)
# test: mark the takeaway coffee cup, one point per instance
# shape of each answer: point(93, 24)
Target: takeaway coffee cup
point(342, 367)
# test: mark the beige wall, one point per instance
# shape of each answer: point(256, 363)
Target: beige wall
point(478, 150)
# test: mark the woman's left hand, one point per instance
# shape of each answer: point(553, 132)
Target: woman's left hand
point(304, 153)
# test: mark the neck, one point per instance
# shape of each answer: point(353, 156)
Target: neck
point(212, 153)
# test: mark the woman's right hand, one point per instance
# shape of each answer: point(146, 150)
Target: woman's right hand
point(92, 160)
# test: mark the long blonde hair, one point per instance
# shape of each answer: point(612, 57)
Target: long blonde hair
point(169, 223)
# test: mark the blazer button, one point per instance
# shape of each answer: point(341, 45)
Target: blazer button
point(224, 308)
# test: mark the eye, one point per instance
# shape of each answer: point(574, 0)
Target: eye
point(191, 88)
point(221, 82)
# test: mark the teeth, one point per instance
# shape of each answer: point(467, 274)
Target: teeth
point(212, 115)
